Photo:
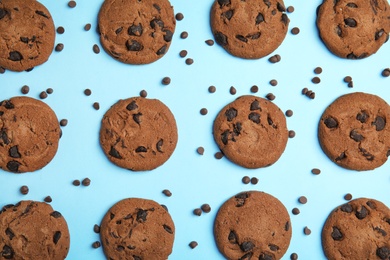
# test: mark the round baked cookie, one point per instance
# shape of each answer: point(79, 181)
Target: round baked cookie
point(359, 229)
point(136, 228)
point(33, 230)
point(138, 134)
point(251, 132)
point(27, 34)
point(249, 29)
point(353, 29)
point(136, 32)
point(252, 225)
point(354, 131)
point(29, 134)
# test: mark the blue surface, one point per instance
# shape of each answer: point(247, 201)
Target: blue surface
point(193, 179)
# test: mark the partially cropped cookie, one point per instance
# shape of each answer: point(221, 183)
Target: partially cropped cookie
point(354, 131)
point(136, 229)
point(251, 132)
point(33, 230)
point(252, 225)
point(359, 229)
point(249, 29)
point(354, 29)
point(29, 134)
point(136, 32)
point(138, 134)
point(27, 34)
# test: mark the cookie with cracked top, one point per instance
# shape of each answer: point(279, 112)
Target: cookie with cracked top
point(249, 29)
point(251, 132)
point(252, 225)
point(29, 134)
point(354, 131)
point(27, 34)
point(139, 134)
point(354, 29)
point(359, 229)
point(136, 228)
point(33, 230)
point(136, 32)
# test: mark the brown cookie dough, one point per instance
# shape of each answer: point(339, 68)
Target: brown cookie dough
point(136, 32)
point(354, 131)
point(354, 29)
point(251, 132)
point(29, 134)
point(33, 230)
point(137, 228)
point(359, 229)
point(27, 34)
point(138, 134)
point(252, 225)
point(249, 29)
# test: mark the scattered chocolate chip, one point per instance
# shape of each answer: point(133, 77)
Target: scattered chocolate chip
point(143, 93)
point(206, 208)
point(302, 200)
point(246, 180)
point(166, 81)
point(76, 183)
point(96, 244)
point(289, 113)
point(232, 90)
point(72, 4)
point(350, 84)
point(43, 95)
point(193, 244)
point(96, 49)
point(87, 92)
point(189, 61)
point(304, 91)
point(254, 89)
point(273, 82)
point(212, 89)
point(179, 16)
point(295, 30)
point(86, 182)
point(386, 72)
point(96, 105)
point(203, 111)
point(184, 35)
point(63, 122)
point(291, 133)
point(209, 42)
point(47, 199)
point(294, 256)
point(270, 96)
point(167, 193)
point(60, 30)
point(306, 231)
point(96, 229)
point(49, 91)
point(218, 155)
point(200, 150)
point(25, 89)
point(348, 196)
point(316, 80)
point(347, 79)
point(87, 27)
point(275, 58)
point(197, 212)
point(254, 180)
point(183, 53)
point(295, 211)
point(336, 234)
point(316, 171)
point(290, 9)
point(24, 190)
point(318, 70)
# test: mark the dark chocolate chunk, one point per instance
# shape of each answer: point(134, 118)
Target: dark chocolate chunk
point(14, 152)
point(3, 13)
point(280, 7)
point(133, 45)
point(247, 246)
point(179, 16)
point(132, 106)
point(8, 252)
point(379, 34)
point(241, 38)
point(86, 182)
point(15, 56)
point(96, 48)
point(341, 156)
point(13, 166)
point(41, 13)
point(228, 14)
point(350, 22)
point(205, 208)
point(162, 50)
point(362, 213)
point(193, 244)
point(141, 215)
point(232, 237)
point(221, 38)
point(379, 123)
point(240, 199)
point(346, 208)
point(135, 30)
point(254, 117)
point(354, 135)
point(255, 105)
point(336, 234)
point(114, 153)
point(381, 231)
point(330, 122)
point(266, 256)
point(24, 190)
point(157, 22)
point(362, 117)
point(168, 229)
point(9, 233)
point(267, 3)
point(231, 113)
point(223, 2)
point(168, 35)
point(259, 18)
point(136, 117)
point(56, 214)
point(141, 149)
point(285, 19)
point(56, 237)
point(119, 30)
point(383, 252)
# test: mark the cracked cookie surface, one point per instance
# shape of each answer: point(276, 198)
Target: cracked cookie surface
point(252, 225)
point(136, 229)
point(29, 134)
point(354, 131)
point(136, 32)
point(33, 230)
point(251, 132)
point(249, 29)
point(138, 134)
point(27, 34)
point(359, 229)
point(354, 29)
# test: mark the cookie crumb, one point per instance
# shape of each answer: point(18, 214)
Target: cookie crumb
point(212, 89)
point(200, 150)
point(233, 90)
point(289, 113)
point(96, 105)
point(96, 244)
point(96, 228)
point(87, 92)
point(316, 171)
point(24, 190)
point(348, 196)
point(47, 199)
point(143, 93)
point(25, 89)
point(206, 208)
point(246, 180)
point(63, 122)
point(60, 30)
point(183, 53)
point(254, 89)
point(209, 42)
point(87, 27)
point(167, 193)
point(193, 244)
point(203, 111)
point(96, 49)
point(254, 180)
point(86, 182)
point(179, 16)
point(302, 200)
point(76, 183)
point(307, 231)
point(197, 212)
point(295, 211)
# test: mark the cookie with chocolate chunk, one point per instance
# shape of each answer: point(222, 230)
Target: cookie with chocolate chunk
point(359, 229)
point(252, 225)
point(27, 34)
point(136, 228)
point(136, 32)
point(29, 134)
point(138, 133)
point(354, 29)
point(249, 29)
point(251, 132)
point(33, 230)
point(354, 131)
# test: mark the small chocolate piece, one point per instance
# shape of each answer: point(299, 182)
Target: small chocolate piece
point(166, 81)
point(167, 193)
point(86, 182)
point(316, 171)
point(254, 180)
point(203, 111)
point(25, 89)
point(96, 49)
point(212, 89)
point(76, 183)
point(246, 180)
point(295, 30)
point(87, 92)
point(254, 89)
point(193, 244)
point(87, 27)
point(60, 30)
point(179, 16)
point(200, 150)
point(96, 105)
point(197, 211)
point(183, 53)
point(206, 208)
point(72, 4)
point(209, 42)
point(232, 90)
point(59, 47)
point(295, 211)
point(302, 200)
point(184, 35)
point(43, 95)
point(306, 231)
point(24, 190)
point(189, 61)
point(64, 122)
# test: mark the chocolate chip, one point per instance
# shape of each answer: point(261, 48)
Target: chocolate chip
point(141, 149)
point(379, 34)
point(179, 16)
point(350, 22)
point(290, 9)
point(76, 183)
point(316, 80)
point(291, 133)
point(168, 229)
point(86, 182)
point(200, 150)
point(189, 61)
point(193, 244)
point(295, 30)
point(362, 213)
point(254, 117)
point(231, 113)
point(212, 89)
point(241, 38)
point(96, 229)
point(14, 152)
point(41, 13)
point(270, 96)
point(259, 18)
point(265, 256)
point(60, 30)
point(386, 72)
point(379, 123)
point(275, 58)
point(141, 215)
point(197, 212)
point(341, 156)
point(9, 233)
point(15, 56)
point(183, 53)
point(232, 237)
point(336, 234)
point(96, 49)
point(254, 89)
point(381, 231)
point(13, 166)
point(133, 45)
point(280, 7)
point(246, 180)
point(3, 13)
point(352, 5)
point(232, 90)
point(218, 155)
point(169, 35)
point(241, 198)
point(156, 22)
point(285, 19)
point(96, 244)
point(167, 193)
point(254, 180)
point(209, 42)
point(137, 117)
point(119, 30)
point(247, 246)
point(273, 82)
point(362, 117)
point(354, 135)
point(135, 30)
point(366, 154)
point(294, 256)
point(43, 95)
point(330, 122)
point(295, 211)
point(64, 122)
point(114, 153)
point(289, 113)
point(307, 231)
point(159, 145)
point(87, 27)
point(203, 111)
point(223, 2)
point(132, 106)
point(72, 4)
point(24, 190)
point(371, 204)
point(206, 208)
point(166, 81)
point(383, 252)
point(302, 200)
point(56, 237)
point(346, 208)
point(87, 92)
point(267, 3)
point(348, 196)
point(25, 89)
point(273, 247)
point(47, 199)
point(56, 214)
point(143, 93)
point(96, 105)
point(8, 252)
point(221, 38)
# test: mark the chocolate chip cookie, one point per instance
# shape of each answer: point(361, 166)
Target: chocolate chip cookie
point(33, 230)
point(251, 132)
point(138, 134)
point(354, 29)
point(249, 29)
point(354, 131)
point(136, 32)
point(29, 134)
point(359, 229)
point(27, 34)
point(137, 228)
point(252, 225)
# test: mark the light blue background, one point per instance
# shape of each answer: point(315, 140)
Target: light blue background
point(193, 179)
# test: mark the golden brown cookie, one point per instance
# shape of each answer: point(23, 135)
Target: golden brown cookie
point(26, 34)
point(33, 230)
point(138, 134)
point(359, 229)
point(249, 29)
point(251, 132)
point(136, 32)
point(252, 225)
point(29, 134)
point(137, 229)
point(354, 29)
point(354, 131)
